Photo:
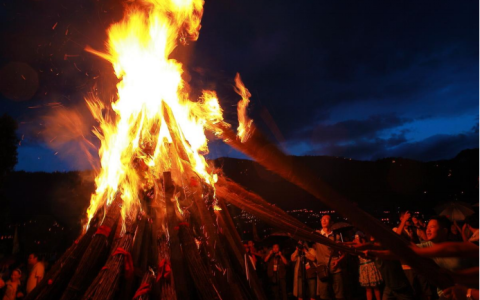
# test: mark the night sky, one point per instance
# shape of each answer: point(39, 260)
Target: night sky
point(357, 79)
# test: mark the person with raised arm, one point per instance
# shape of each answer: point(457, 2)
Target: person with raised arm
point(276, 271)
point(305, 275)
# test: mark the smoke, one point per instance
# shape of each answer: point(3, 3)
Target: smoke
point(68, 131)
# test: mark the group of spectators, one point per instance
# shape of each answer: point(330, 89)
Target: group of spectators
point(317, 271)
point(22, 279)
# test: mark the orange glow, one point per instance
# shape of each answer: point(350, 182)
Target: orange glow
point(244, 122)
point(152, 127)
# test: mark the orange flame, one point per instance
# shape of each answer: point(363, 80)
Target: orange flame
point(139, 132)
point(244, 122)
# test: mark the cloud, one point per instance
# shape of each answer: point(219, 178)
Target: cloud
point(437, 147)
point(352, 130)
point(362, 149)
point(360, 139)
point(397, 138)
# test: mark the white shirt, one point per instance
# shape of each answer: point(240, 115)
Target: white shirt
point(326, 234)
point(38, 271)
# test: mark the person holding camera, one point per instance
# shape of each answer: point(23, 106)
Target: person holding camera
point(305, 275)
point(276, 271)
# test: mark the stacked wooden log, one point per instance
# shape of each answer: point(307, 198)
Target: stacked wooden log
point(182, 242)
point(168, 251)
point(173, 249)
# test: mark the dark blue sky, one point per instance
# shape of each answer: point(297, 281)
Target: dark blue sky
point(359, 79)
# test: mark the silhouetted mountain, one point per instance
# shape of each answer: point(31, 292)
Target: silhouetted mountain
point(467, 155)
point(384, 184)
point(374, 185)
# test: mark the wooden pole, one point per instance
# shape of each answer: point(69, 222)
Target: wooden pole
point(234, 243)
point(207, 287)
point(164, 282)
point(93, 258)
point(182, 289)
point(143, 292)
point(235, 188)
point(120, 262)
point(255, 205)
point(200, 210)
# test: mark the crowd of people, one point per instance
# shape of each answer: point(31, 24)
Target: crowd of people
point(317, 271)
point(22, 279)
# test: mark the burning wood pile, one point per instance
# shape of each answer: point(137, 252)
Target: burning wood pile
point(159, 227)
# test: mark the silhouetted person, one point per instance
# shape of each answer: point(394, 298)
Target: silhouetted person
point(305, 277)
point(276, 271)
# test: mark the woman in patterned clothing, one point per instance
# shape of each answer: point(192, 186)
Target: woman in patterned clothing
point(370, 278)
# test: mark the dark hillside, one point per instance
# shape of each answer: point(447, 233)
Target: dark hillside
point(380, 185)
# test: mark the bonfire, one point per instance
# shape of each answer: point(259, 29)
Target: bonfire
point(158, 223)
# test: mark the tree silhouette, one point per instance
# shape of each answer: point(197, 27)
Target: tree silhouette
point(8, 144)
point(8, 160)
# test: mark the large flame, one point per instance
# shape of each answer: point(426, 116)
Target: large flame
point(153, 108)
